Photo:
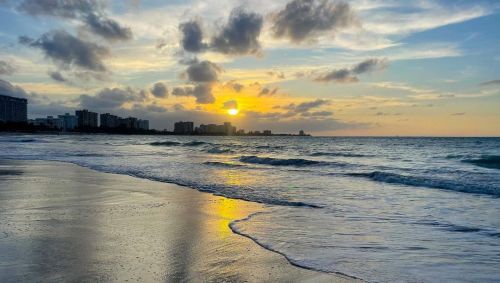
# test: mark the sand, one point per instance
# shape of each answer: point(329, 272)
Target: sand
point(60, 222)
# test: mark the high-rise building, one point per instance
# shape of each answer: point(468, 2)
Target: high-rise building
point(86, 119)
point(143, 124)
point(49, 122)
point(69, 122)
point(183, 128)
point(109, 121)
point(13, 109)
point(228, 129)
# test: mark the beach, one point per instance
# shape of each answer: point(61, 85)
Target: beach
point(60, 222)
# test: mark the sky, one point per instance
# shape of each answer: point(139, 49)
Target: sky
point(359, 67)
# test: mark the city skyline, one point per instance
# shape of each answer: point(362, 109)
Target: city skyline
point(363, 67)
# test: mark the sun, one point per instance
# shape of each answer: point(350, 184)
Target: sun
point(233, 111)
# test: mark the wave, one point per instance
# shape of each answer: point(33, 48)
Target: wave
point(417, 181)
point(339, 154)
point(278, 162)
point(219, 150)
point(222, 164)
point(20, 140)
point(269, 147)
point(165, 143)
point(234, 227)
point(88, 155)
point(194, 143)
point(486, 161)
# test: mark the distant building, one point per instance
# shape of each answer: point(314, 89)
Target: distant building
point(213, 129)
point(302, 133)
point(143, 124)
point(240, 132)
point(49, 122)
point(109, 121)
point(69, 122)
point(229, 129)
point(183, 128)
point(86, 119)
point(267, 133)
point(13, 109)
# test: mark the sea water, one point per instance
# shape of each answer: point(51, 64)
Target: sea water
point(378, 209)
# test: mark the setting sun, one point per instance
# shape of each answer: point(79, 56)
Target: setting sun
point(232, 111)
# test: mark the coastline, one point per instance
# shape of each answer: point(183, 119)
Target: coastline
point(64, 222)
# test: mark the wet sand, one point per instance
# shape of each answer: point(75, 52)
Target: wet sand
point(61, 222)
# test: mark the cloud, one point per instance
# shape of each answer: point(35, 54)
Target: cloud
point(268, 91)
point(38, 104)
point(349, 75)
point(458, 114)
point(192, 37)
point(202, 92)
point(276, 74)
point(306, 106)
point(160, 90)
point(369, 65)
point(230, 104)
point(236, 86)
point(6, 68)
point(69, 51)
point(303, 20)
point(107, 28)
point(6, 88)
point(90, 12)
point(110, 98)
point(204, 71)
point(240, 36)
point(490, 83)
point(57, 76)
point(339, 76)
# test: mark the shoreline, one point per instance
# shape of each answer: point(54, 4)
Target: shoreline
point(225, 254)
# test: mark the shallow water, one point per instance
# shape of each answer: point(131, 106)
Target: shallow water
point(380, 209)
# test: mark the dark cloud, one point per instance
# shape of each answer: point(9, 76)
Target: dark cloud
point(302, 20)
point(160, 90)
point(340, 76)
point(69, 51)
point(90, 12)
point(37, 104)
point(458, 114)
point(268, 91)
point(349, 75)
point(204, 72)
point(6, 68)
point(107, 28)
point(57, 76)
point(276, 74)
point(236, 86)
point(240, 36)
point(317, 114)
point(110, 98)
point(6, 88)
point(369, 65)
point(306, 106)
point(192, 37)
point(58, 8)
point(202, 92)
point(230, 104)
point(490, 83)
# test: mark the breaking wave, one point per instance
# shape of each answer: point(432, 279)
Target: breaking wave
point(165, 143)
point(435, 183)
point(487, 161)
point(279, 162)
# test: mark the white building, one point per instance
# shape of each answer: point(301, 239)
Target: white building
point(69, 122)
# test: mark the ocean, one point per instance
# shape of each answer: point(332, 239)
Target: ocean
point(379, 209)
